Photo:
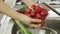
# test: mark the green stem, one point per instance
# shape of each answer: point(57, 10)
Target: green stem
point(25, 30)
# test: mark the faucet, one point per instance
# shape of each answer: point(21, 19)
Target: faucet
point(52, 9)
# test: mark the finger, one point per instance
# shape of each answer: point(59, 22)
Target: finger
point(36, 25)
point(44, 7)
point(31, 26)
point(36, 20)
point(44, 25)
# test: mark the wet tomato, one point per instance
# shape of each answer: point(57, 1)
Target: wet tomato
point(28, 11)
point(44, 13)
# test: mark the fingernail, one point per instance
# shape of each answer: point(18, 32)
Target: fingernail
point(39, 20)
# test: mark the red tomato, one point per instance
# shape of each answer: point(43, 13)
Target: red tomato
point(29, 15)
point(33, 13)
point(38, 9)
point(33, 6)
point(44, 13)
point(42, 20)
point(28, 11)
point(38, 16)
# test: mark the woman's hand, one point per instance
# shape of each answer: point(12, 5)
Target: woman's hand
point(30, 21)
point(44, 7)
point(4, 8)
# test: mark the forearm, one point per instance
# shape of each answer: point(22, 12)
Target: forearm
point(8, 11)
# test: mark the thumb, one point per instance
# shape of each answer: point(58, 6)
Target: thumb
point(44, 7)
point(36, 20)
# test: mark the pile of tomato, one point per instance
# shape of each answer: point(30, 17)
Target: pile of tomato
point(35, 12)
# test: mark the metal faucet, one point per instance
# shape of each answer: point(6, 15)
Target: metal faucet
point(52, 9)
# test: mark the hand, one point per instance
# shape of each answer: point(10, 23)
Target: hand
point(44, 7)
point(30, 21)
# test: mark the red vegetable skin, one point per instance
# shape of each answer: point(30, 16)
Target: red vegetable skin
point(29, 15)
point(43, 19)
point(28, 11)
point(38, 9)
point(33, 6)
point(38, 16)
point(44, 13)
point(33, 14)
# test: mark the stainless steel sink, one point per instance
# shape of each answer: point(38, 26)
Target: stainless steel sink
point(53, 24)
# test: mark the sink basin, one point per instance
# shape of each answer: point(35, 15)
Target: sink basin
point(53, 24)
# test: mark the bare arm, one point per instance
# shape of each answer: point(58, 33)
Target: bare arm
point(8, 11)
point(4, 8)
